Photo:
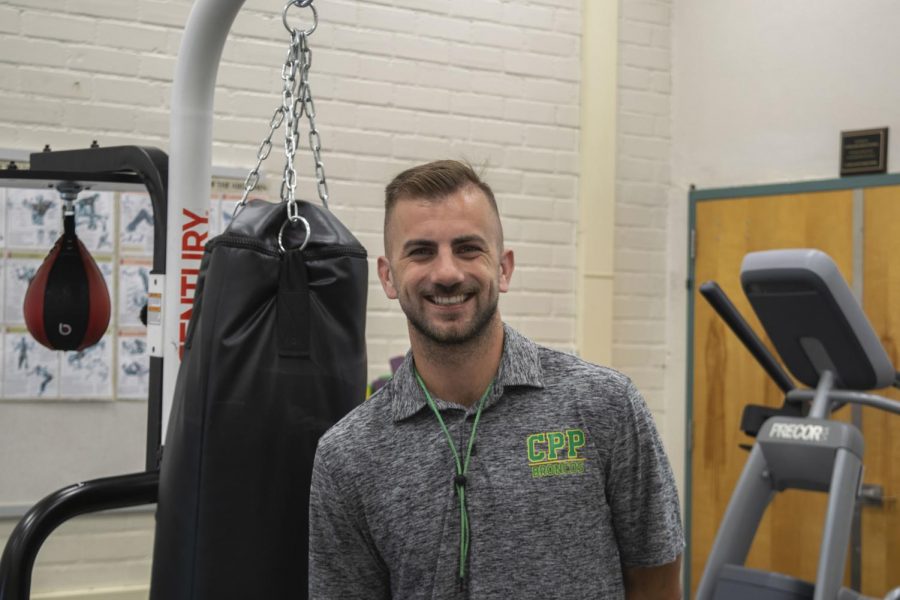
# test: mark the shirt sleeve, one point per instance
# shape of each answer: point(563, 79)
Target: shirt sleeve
point(343, 561)
point(641, 490)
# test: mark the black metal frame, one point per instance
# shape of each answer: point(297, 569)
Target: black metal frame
point(120, 168)
point(69, 502)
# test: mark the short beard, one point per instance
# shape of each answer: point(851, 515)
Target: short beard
point(474, 332)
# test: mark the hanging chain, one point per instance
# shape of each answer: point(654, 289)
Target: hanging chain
point(289, 105)
point(296, 100)
point(309, 107)
point(261, 154)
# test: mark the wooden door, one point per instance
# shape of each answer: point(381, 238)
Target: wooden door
point(881, 300)
point(726, 378)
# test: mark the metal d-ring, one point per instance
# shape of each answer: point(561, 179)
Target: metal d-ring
point(301, 4)
point(285, 224)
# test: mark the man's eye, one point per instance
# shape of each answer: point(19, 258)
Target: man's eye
point(420, 252)
point(468, 249)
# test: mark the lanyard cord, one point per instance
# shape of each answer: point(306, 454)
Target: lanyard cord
point(462, 467)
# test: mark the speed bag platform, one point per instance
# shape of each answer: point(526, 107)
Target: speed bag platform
point(274, 355)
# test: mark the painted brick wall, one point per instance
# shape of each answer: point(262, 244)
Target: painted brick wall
point(642, 184)
point(397, 82)
point(94, 557)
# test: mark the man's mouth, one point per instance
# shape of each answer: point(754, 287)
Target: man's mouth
point(448, 300)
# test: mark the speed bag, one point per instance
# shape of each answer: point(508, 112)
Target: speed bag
point(67, 303)
point(274, 355)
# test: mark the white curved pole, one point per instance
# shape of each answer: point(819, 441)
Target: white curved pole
point(190, 167)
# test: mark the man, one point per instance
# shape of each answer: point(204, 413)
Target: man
point(488, 467)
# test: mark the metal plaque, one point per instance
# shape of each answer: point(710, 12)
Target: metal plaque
point(864, 152)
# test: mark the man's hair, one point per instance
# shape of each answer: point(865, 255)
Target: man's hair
point(433, 181)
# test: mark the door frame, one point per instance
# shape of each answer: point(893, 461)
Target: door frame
point(695, 196)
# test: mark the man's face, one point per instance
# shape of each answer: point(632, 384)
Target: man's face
point(445, 265)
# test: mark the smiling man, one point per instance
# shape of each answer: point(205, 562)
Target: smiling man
point(489, 466)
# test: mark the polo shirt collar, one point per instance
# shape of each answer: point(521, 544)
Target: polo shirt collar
point(520, 365)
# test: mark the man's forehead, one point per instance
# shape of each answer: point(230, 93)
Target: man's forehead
point(467, 211)
point(458, 210)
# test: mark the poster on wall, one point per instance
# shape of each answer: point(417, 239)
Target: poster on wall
point(135, 224)
point(221, 212)
point(134, 281)
point(226, 194)
point(117, 229)
point(3, 290)
point(94, 221)
point(215, 218)
point(133, 375)
point(3, 217)
point(33, 218)
point(87, 373)
point(30, 370)
point(105, 263)
point(227, 208)
point(20, 270)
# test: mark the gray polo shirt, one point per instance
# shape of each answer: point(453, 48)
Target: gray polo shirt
point(568, 482)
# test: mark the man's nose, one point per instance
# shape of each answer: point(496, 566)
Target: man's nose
point(446, 270)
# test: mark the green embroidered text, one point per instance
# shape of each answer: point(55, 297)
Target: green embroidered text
point(553, 453)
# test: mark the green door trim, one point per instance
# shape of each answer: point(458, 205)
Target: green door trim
point(797, 187)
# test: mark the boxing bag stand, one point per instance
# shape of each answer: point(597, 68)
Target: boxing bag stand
point(117, 168)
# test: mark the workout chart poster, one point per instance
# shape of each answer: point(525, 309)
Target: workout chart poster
point(221, 214)
point(134, 281)
point(133, 375)
point(135, 224)
point(87, 373)
point(117, 229)
point(2, 218)
point(33, 218)
point(94, 221)
point(2, 291)
point(30, 370)
point(20, 268)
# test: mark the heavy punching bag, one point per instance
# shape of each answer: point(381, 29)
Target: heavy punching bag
point(67, 303)
point(275, 354)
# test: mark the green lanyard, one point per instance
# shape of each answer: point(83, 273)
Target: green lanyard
point(459, 482)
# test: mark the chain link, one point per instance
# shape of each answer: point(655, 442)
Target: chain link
point(265, 148)
point(289, 105)
point(309, 109)
point(296, 101)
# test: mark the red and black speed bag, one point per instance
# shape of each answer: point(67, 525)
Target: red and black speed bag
point(67, 303)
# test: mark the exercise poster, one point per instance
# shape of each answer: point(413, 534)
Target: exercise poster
point(117, 229)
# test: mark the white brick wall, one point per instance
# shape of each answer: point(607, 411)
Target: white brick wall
point(397, 82)
point(642, 184)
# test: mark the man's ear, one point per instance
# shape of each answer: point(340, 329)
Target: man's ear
point(507, 264)
point(384, 275)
